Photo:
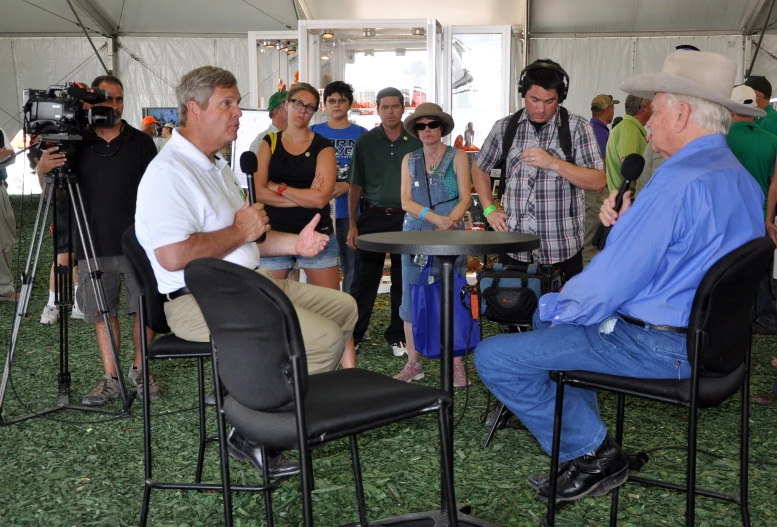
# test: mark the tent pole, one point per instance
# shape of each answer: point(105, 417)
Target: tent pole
point(760, 39)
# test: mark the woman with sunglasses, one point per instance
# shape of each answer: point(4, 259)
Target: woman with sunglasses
point(295, 180)
point(435, 195)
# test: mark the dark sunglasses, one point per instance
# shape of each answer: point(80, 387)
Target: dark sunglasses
point(433, 125)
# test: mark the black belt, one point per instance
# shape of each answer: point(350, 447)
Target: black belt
point(178, 293)
point(388, 211)
point(643, 324)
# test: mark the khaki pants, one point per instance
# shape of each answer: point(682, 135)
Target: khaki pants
point(326, 318)
point(7, 230)
point(593, 202)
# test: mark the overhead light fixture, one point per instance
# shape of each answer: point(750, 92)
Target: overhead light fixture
point(325, 56)
point(282, 45)
point(328, 33)
point(400, 52)
point(369, 53)
point(418, 32)
point(368, 31)
point(269, 44)
point(292, 49)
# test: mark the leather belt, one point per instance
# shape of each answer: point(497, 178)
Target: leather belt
point(178, 293)
point(643, 324)
point(388, 211)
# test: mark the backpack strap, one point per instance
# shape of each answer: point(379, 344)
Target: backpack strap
point(507, 142)
point(564, 135)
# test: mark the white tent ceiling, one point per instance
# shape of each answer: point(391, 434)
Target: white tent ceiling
point(232, 17)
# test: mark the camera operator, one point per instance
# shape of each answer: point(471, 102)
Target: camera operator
point(109, 164)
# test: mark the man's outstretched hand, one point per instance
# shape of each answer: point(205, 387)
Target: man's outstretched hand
point(309, 242)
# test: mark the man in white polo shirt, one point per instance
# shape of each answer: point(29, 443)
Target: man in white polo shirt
point(191, 206)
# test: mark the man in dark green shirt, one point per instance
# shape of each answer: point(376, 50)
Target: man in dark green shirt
point(375, 175)
point(763, 92)
point(753, 146)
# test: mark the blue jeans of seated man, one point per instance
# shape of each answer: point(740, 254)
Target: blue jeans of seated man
point(515, 368)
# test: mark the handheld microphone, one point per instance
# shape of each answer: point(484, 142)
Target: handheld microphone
point(248, 165)
point(631, 169)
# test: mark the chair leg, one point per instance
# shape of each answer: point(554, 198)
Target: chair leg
point(146, 421)
point(357, 478)
point(307, 487)
point(619, 440)
point(744, 459)
point(690, 503)
point(494, 425)
point(203, 434)
point(446, 465)
point(550, 519)
point(223, 454)
point(267, 492)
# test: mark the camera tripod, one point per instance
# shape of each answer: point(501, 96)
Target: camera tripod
point(65, 179)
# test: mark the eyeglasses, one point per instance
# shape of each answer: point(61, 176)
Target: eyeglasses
point(299, 105)
point(432, 125)
point(332, 102)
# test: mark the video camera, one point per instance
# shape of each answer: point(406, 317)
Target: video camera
point(58, 114)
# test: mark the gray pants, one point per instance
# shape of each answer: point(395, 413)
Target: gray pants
point(7, 230)
point(593, 202)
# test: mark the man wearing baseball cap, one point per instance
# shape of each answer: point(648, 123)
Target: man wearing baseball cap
point(755, 148)
point(602, 114)
point(277, 110)
point(635, 297)
point(149, 125)
point(763, 92)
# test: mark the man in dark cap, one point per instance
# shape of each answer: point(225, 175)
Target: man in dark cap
point(763, 92)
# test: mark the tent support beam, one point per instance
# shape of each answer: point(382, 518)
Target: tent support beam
point(760, 39)
point(107, 71)
point(92, 12)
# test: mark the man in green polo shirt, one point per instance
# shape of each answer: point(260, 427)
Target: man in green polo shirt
point(629, 137)
point(375, 175)
point(753, 146)
point(763, 92)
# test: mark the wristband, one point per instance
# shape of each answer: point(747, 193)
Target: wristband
point(423, 213)
point(489, 210)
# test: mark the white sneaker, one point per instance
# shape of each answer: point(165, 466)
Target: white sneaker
point(399, 349)
point(77, 313)
point(50, 315)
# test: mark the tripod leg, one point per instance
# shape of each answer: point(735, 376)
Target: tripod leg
point(90, 256)
point(27, 280)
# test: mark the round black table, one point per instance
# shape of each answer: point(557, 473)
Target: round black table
point(447, 246)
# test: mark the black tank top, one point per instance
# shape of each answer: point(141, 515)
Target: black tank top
point(297, 172)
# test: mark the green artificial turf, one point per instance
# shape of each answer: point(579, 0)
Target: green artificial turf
point(90, 472)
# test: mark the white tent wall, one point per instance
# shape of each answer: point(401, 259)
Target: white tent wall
point(600, 64)
point(166, 60)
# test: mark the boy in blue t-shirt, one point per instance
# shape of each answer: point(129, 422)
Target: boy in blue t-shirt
point(338, 98)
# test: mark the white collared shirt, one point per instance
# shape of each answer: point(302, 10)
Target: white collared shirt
point(182, 193)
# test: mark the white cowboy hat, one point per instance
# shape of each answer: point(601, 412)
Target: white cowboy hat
point(708, 76)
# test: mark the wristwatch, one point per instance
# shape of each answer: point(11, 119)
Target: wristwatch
point(281, 188)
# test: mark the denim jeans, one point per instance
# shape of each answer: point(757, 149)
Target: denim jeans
point(347, 255)
point(515, 369)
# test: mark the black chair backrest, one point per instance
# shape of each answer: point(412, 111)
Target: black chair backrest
point(255, 330)
point(723, 307)
point(153, 301)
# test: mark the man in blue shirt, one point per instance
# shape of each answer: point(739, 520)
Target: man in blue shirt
point(338, 98)
point(628, 311)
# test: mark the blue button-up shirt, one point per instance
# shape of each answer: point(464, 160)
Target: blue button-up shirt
point(700, 205)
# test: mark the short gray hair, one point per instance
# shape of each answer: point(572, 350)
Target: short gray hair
point(711, 116)
point(198, 86)
point(634, 103)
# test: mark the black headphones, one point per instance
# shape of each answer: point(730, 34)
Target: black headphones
point(540, 65)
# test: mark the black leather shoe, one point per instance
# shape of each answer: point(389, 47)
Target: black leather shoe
point(606, 469)
point(244, 450)
point(538, 481)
